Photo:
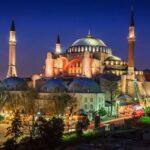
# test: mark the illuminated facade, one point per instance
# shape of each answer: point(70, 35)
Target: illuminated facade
point(87, 57)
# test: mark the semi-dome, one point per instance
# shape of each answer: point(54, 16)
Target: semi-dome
point(14, 84)
point(113, 58)
point(84, 85)
point(88, 43)
point(54, 85)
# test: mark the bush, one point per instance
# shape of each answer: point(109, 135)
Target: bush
point(102, 112)
point(145, 119)
point(79, 129)
point(16, 126)
point(51, 131)
point(10, 144)
point(147, 111)
point(86, 123)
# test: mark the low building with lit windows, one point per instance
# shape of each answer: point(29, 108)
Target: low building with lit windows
point(85, 91)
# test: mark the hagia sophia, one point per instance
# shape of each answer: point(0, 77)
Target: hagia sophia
point(80, 72)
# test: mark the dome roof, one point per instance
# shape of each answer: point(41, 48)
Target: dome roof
point(84, 85)
point(14, 84)
point(54, 85)
point(90, 44)
point(113, 58)
point(89, 41)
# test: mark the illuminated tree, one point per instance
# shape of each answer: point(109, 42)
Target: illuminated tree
point(16, 127)
point(4, 97)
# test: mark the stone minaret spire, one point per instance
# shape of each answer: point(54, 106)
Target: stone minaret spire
point(12, 52)
point(131, 42)
point(58, 46)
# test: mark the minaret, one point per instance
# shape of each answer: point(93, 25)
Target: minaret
point(12, 52)
point(131, 42)
point(58, 46)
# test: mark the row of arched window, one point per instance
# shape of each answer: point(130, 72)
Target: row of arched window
point(89, 49)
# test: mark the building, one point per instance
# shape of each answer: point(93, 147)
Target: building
point(79, 72)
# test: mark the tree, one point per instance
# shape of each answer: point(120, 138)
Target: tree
point(4, 97)
point(96, 121)
point(147, 111)
point(110, 85)
point(102, 112)
point(10, 144)
point(29, 103)
point(62, 101)
point(24, 101)
point(86, 123)
point(16, 127)
point(79, 128)
point(51, 131)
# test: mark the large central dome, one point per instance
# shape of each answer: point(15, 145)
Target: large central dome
point(88, 43)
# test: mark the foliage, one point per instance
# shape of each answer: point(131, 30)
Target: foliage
point(4, 97)
point(29, 102)
point(89, 134)
point(111, 86)
point(16, 127)
point(24, 101)
point(86, 123)
point(145, 119)
point(96, 121)
point(10, 144)
point(62, 101)
point(147, 111)
point(51, 131)
point(79, 129)
point(70, 138)
point(102, 112)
